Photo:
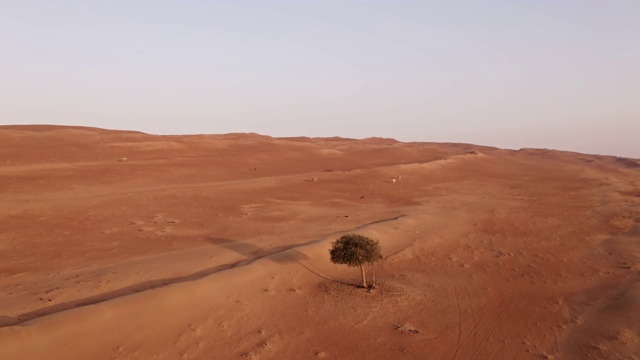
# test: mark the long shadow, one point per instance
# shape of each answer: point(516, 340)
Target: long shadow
point(281, 254)
point(252, 253)
point(320, 274)
point(128, 290)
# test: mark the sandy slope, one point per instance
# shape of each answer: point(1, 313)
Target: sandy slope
point(215, 247)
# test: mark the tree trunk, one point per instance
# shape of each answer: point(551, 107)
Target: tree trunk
point(373, 280)
point(364, 281)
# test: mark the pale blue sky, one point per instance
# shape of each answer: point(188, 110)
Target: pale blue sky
point(528, 73)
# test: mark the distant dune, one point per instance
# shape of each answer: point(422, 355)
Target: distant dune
point(125, 245)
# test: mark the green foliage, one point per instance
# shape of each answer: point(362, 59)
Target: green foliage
point(355, 250)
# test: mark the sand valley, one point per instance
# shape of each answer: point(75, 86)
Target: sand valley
point(124, 245)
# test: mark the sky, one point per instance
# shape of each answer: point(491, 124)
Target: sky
point(530, 73)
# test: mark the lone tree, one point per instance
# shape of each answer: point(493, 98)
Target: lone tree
point(356, 250)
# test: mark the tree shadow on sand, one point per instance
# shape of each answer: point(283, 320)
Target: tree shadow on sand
point(109, 295)
point(281, 255)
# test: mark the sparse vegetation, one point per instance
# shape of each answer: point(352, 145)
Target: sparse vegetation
point(357, 250)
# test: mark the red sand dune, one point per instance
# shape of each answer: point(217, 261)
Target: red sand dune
point(216, 247)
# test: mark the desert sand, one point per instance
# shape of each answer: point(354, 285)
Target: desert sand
point(216, 247)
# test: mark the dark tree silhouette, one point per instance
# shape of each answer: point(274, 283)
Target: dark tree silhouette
point(357, 250)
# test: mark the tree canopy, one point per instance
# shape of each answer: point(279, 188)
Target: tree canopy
point(356, 250)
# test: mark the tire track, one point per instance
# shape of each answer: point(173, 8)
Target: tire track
point(484, 326)
point(460, 329)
